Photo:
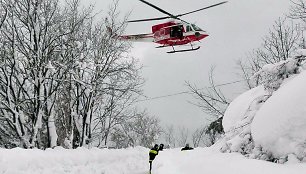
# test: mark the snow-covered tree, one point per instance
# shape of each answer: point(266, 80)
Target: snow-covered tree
point(59, 67)
point(3, 14)
point(142, 130)
point(30, 73)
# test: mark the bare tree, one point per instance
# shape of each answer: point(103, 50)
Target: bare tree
point(207, 135)
point(212, 101)
point(298, 10)
point(283, 39)
point(182, 137)
point(247, 69)
point(169, 135)
point(198, 135)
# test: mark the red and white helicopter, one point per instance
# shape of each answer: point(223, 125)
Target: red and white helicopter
point(172, 33)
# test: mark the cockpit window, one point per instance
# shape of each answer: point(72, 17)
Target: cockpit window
point(188, 28)
point(196, 28)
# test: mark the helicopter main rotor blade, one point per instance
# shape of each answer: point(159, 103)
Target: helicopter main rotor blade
point(171, 15)
point(150, 19)
point(201, 9)
point(159, 9)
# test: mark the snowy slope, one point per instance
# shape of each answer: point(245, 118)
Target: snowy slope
point(135, 161)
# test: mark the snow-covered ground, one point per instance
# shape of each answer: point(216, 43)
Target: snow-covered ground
point(135, 161)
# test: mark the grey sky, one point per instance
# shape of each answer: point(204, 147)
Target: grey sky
point(235, 28)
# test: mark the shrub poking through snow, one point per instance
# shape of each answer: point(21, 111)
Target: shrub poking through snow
point(272, 75)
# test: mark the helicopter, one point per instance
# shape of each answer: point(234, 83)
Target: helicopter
point(172, 33)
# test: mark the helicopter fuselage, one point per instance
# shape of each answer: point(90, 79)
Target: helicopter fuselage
point(173, 33)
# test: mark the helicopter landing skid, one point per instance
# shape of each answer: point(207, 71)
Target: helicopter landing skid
point(177, 51)
point(163, 46)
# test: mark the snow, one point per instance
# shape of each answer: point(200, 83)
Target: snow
point(272, 75)
point(300, 52)
point(238, 108)
point(135, 161)
point(280, 124)
point(268, 122)
point(81, 160)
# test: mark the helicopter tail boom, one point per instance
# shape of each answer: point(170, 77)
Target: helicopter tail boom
point(138, 37)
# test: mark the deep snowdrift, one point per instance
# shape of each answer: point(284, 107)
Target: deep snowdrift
point(135, 161)
point(238, 109)
point(268, 122)
point(280, 124)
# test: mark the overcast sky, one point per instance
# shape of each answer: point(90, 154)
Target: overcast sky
point(234, 28)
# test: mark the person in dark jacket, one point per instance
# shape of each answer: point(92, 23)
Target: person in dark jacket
point(187, 147)
point(161, 147)
point(152, 154)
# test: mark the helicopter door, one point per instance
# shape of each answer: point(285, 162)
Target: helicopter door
point(177, 31)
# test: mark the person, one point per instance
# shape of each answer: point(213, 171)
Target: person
point(176, 31)
point(152, 154)
point(187, 147)
point(180, 32)
point(168, 146)
point(161, 147)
